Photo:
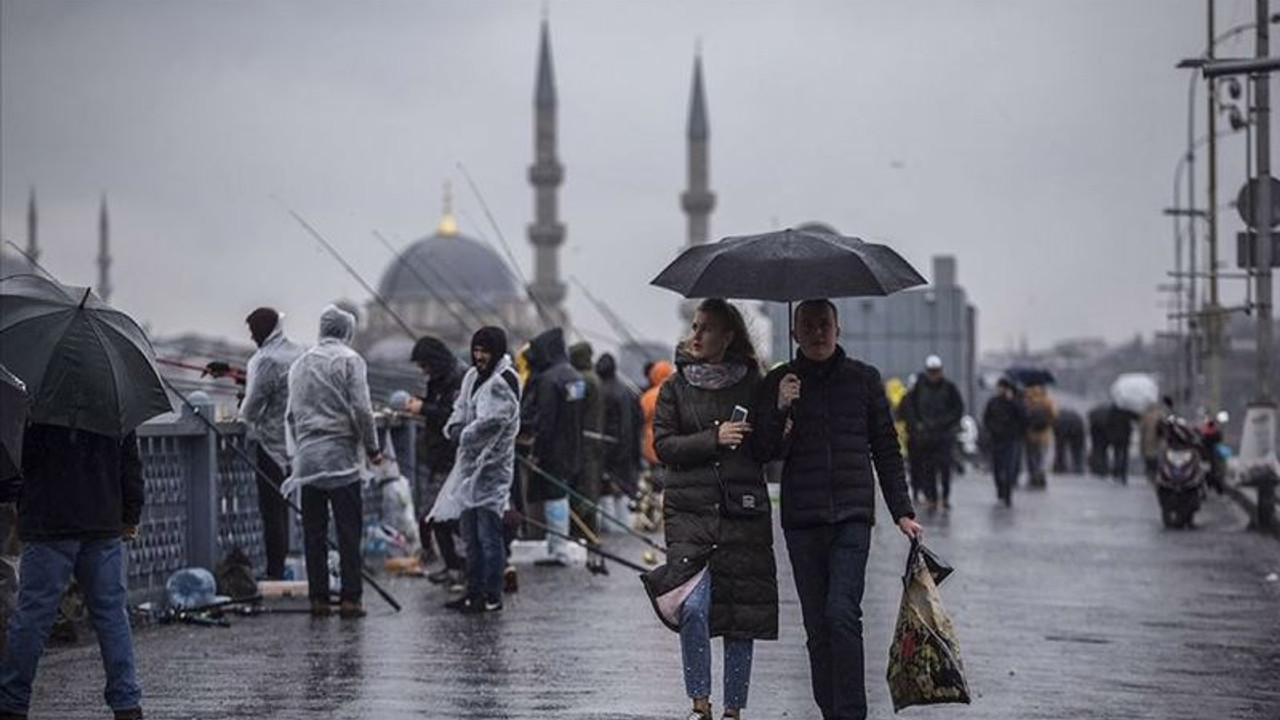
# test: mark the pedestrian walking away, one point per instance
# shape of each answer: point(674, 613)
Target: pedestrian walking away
point(266, 395)
point(590, 476)
point(1041, 412)
point(623, 422)
point(1068, 443)
point(933, 410)
point(444, 378)
point(484, 424)
point(842, 427)
point(720, 579)
point(330, 433)
point(1005, 422)
point(551, 428)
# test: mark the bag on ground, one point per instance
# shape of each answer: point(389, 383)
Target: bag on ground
point(924, 659)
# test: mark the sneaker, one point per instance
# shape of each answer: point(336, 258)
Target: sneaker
point(320, 609)
point(510, 580)
point(698, 715)
point(462, 604)
point(439, 577)
point(493, 605)
point(350, 609)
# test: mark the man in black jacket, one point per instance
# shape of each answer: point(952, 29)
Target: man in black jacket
point(933, 410)
point(551, 426)
point(840, 425)
point(444, 377)
point(623, 421)
point(1005, 422)
point(82, 495)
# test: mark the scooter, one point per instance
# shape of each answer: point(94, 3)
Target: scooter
point(1180, 475)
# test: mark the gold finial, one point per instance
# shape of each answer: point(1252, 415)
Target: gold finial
point(447, 225)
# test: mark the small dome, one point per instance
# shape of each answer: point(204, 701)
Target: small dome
point(454, 266)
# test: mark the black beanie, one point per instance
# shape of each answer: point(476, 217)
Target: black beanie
point(493, 339)
point(262, 322)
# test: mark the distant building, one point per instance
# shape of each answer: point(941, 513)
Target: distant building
point(896, 333)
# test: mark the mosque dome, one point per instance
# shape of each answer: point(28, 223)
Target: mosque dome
point(449, 266)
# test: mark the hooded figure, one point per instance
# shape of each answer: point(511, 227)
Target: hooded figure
point(590, 477)
point(551, 425)
point(329, 428)
point(266, 396)
point(623, 421)
point(329, 418)
point(484, 423)
point(444, 378)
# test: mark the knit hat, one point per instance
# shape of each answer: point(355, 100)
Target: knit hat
point(493, 339)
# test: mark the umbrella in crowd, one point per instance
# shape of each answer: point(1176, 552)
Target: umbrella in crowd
point(13, 419)
point(1027, 376)
point(85, 364)
point(1135, 392)
point(788, 265)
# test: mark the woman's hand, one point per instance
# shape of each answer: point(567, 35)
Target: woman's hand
point(788, 390)
point(731, 434)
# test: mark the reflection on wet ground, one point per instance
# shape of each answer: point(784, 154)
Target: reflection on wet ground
point(1073, 604)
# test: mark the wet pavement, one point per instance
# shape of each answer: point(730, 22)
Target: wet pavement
point(1074, 604)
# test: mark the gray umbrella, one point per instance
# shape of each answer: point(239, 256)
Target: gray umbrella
point(86, 364)
point(788, 265)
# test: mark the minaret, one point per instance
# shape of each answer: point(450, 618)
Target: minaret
point(698, 200)
point(33, 230)
point(546, 232)
point(104, 256)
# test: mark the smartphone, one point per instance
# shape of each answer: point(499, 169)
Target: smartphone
point(739, 414)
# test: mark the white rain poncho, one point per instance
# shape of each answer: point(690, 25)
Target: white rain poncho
point(266, 394)
point(329, 421)
point(485, 420)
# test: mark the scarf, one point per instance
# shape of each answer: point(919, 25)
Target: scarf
point(714, 376)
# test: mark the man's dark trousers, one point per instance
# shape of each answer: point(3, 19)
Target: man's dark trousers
point(275, 515)
point(348, 520)
point(830, 563)
point(1004, 466)
point(935, 467)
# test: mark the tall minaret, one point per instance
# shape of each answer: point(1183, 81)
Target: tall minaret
point(546, 232)
point(33, 234)
point(104, 255)
point(698, 200)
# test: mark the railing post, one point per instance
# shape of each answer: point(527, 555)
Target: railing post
point(201, 460)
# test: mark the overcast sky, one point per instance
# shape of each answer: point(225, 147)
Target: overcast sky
point(1036, 141)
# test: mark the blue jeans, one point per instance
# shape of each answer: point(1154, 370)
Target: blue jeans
point(695, 649)
point(830, 566)
point(47, 567)
point(486, 553)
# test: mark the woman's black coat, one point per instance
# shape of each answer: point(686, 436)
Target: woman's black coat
point(737, 551)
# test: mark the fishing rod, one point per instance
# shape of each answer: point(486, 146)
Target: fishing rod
point(590, 548)
point(333, 252)
point(235, 373)
point(462, 322)
point(263, 480)
point(590, 503)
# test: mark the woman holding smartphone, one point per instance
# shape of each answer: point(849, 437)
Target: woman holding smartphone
point(720, 579)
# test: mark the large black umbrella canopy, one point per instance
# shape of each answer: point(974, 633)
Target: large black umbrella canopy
point(13, 420)
point(86, 364)
point(788, 265)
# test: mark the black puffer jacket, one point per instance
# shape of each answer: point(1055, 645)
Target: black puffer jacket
point(78, 485)
point(738, 552)
point(551, 415)
point(842, 425)
point(932, 410)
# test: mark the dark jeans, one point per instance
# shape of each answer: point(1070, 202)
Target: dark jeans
point(348, 521)
point(487, 553)
point(935, 471)
point(275, 515)
point(98, 566)
point(1004, 466)
point(830, 564)
point(444, 532)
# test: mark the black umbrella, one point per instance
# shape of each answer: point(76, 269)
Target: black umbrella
point(1027, 376)
point(788, 265)
point(13, 420)
point(86, 364)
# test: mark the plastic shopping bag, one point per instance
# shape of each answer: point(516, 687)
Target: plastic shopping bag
point(924, 659)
